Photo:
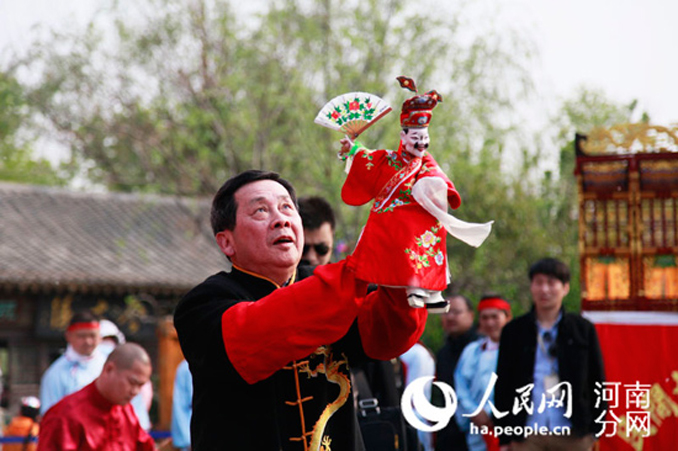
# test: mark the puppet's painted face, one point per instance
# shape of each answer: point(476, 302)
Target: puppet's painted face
point(415, 141)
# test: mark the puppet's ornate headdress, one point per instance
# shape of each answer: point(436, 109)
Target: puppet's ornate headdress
point(417, 110)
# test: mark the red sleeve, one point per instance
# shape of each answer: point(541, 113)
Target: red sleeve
point(144, 441)
point(388, 325)
point(261, 337)
point(56, 434)
point(369, 172)
point(433, 170)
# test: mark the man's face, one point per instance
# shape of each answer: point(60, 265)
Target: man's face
point(491, 321)
point(548, 292)
point(415, 141)
point(123, 385)
point(83, 341)
point(318, 245)
point(268, 237)
point(458, 319)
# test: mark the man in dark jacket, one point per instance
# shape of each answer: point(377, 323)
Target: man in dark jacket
point(458, 325)
point(555, 351)
point(269, 352)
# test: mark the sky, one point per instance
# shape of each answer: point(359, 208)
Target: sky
point(627, 48)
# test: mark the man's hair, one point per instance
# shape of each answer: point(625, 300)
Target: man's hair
point(30, 407)
point(315, 211)
point(83, 316)
point(30, 412)
point(224, 206)
point(467, 301)
point(551, 267)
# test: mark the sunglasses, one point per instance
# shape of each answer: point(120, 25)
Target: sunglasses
point(552, 349)
point(320, 248)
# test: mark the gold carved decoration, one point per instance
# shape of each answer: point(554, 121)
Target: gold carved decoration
point(607, 279)
point(659, 166)
point(661, 277)
point(631, 138)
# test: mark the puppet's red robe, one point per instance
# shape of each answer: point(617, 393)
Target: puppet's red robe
point(401, 245)
point(86, 421)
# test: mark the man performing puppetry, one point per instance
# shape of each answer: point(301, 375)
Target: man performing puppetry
point(269, 353)
point(403, 243)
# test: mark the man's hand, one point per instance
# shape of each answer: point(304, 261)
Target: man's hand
point(482, 419)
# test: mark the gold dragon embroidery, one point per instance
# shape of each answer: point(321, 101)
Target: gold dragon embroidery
point(330, 368)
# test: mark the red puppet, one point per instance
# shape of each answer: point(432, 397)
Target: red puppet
point(403, 243)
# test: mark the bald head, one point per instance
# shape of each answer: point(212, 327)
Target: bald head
point(126, 370)
point(126, 354)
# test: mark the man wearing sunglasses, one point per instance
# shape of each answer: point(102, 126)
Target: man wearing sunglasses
point(318, 220)
point(545, 351)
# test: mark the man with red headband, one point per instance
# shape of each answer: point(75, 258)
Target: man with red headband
point(81, 363)
point(474, 373)
point(408, 222)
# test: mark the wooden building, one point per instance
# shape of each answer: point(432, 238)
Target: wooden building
point(129, 258)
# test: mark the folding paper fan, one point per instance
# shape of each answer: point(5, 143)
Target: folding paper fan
point(352, 113)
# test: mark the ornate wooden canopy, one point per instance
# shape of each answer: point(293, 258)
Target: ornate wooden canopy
point(628, 217)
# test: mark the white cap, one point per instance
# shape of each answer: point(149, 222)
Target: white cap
point(109, 329)
point(30, 401)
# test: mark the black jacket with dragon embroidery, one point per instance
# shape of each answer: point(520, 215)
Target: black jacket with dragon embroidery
point(270, 365)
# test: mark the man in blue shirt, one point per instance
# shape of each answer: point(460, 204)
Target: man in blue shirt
point(474, 372)
point(546, 356)
point(79, 366)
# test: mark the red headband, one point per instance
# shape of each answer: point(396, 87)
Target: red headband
point(497, 303)
point(82, 326)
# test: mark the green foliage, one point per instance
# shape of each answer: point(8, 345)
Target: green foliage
point(17, 163)
point(193, 91)
point(434, 335)
point(588, 108)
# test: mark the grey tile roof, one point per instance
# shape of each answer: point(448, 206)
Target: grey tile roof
point(58, 239)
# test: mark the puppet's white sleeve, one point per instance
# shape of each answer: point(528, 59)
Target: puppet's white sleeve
point(431, 194)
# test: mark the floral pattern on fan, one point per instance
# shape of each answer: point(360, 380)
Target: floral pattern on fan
point(352, 113)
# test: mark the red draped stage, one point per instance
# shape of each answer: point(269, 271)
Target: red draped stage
point(641, 363)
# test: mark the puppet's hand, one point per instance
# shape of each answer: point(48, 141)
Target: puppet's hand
point(346, 145)
point(435, 189)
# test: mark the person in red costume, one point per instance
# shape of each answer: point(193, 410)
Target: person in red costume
point(99, 417)
point(403, 243)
